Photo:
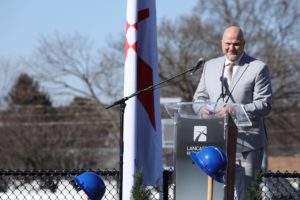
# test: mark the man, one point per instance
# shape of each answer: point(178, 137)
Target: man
point(238, 78)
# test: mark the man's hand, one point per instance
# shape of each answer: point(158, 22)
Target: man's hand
point(207, 111)
point(224, 110)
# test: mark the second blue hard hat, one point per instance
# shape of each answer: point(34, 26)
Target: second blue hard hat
point(212, 161)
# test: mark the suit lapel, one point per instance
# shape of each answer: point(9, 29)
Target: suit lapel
point(220, 67)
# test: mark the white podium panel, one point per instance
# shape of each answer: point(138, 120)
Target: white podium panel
point(192, 134)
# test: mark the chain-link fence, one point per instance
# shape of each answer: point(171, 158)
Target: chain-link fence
point(58, 185)
point(46, 185)
point(280, 186)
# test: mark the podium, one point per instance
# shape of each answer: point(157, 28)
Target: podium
point(193, 132)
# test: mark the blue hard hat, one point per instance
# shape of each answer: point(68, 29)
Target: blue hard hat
point(92, 184)
point(212, 161)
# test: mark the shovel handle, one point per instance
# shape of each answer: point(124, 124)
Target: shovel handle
point(210, 184)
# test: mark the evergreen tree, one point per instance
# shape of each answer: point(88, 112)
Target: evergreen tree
point(27, 92)
point(139, 190)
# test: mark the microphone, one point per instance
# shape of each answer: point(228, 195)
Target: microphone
point(223, 87)
point(197, 66)
point(222, 94)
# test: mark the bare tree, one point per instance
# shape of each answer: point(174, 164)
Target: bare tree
point(72, 66)
point(68, 65)
point(181, 43)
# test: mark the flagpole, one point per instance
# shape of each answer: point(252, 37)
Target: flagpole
point(122, 105)
point(122, 110)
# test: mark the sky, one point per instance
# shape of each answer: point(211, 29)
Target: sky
point(22, 23)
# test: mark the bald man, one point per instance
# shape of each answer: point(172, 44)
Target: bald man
point(240, 79)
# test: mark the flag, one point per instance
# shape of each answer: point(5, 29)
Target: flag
point(142, 123)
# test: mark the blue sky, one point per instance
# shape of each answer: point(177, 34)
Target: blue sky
point(22, 23)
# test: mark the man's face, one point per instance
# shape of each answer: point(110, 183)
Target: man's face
point(232, 44)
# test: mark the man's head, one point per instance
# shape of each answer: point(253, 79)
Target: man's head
point(233, 43)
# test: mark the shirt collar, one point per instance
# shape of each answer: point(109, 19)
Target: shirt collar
point(235, 62)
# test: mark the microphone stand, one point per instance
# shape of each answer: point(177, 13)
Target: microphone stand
point(122, 105)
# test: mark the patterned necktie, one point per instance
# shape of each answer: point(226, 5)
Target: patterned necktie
point(228, 72)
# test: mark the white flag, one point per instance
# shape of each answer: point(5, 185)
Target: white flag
point(142, 123)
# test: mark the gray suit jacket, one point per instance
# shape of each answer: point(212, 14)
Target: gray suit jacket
point(250, 87)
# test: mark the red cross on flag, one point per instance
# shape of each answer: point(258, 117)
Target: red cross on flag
point(142, 125)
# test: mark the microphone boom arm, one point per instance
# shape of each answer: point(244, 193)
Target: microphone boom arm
point(153, 87)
